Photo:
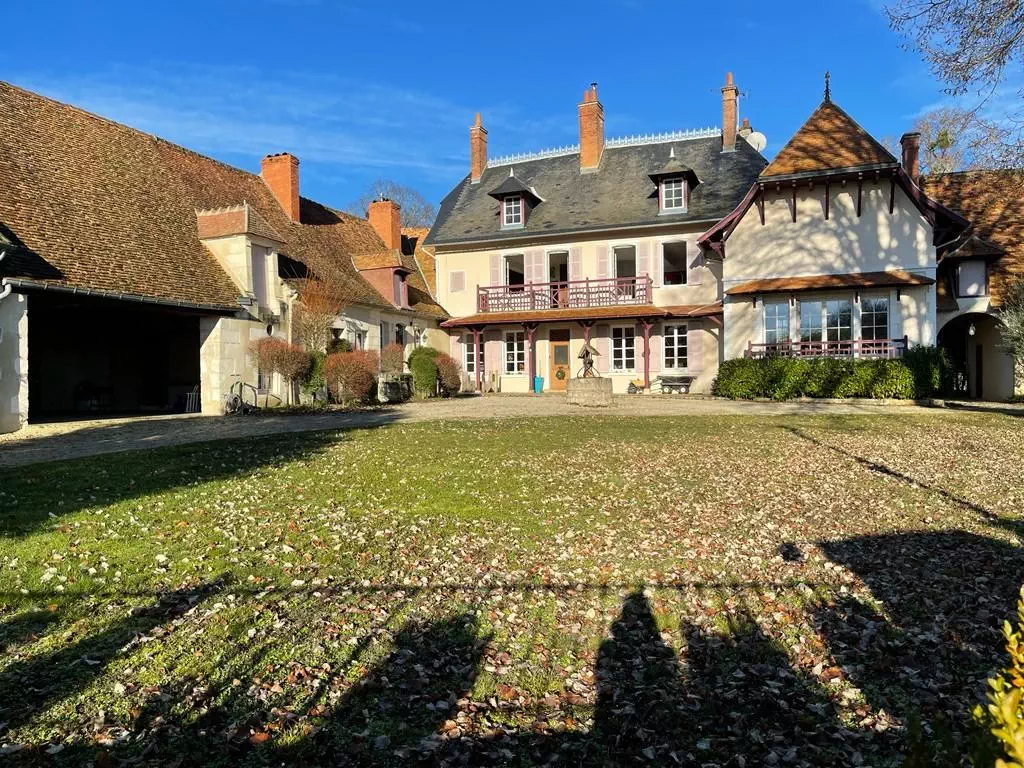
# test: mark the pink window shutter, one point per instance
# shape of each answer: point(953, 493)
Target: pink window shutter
point(535, 267)
point(603, 268)
point(496, 276)
point(694, 346)
point(576, 263)
point(455, 347)
point(655, 347)
point(643, 259)
point(694, 265)
point(601, 339)
point(492, 353)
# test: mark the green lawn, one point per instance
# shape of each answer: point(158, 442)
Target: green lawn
point(708, 591)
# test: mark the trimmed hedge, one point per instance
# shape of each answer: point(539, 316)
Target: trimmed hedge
point(784, 378)
point(424, 369)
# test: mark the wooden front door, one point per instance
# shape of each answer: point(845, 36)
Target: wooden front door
point(560, 368)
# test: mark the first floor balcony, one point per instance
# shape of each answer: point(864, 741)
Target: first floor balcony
point(869, 349)
point(566, 294)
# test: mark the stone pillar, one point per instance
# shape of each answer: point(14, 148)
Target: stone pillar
point(222, 349)
point(13, 362)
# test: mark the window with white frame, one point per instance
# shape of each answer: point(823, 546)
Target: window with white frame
point(623, 348)
point(469, 354)
point(673, 195)
point(776, 322)
point(874, 318)
point(515, 352)
point(674, 346)
point(674, 263)
point(826, 320)
point(513, 211)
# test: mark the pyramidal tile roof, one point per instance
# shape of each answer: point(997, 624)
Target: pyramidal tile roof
point(830, 140)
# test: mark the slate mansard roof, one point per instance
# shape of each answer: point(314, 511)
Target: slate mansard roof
point(619, 195)
point(93, 204)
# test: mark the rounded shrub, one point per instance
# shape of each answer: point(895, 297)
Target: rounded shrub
point(449, 374)
point(893, 380)
point(422, 363)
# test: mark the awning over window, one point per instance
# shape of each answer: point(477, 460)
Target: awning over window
point(585, 313)
point(890, 279)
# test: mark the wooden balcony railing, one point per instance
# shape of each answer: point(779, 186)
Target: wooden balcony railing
point(857, 348)
point(569, 294)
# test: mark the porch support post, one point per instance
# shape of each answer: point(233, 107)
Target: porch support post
point(531, 364)
point(586, 325)
point(645, 326)
point(476, 355)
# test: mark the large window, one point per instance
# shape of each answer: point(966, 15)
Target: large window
point(674, 263)
point(776, 322)
point(469, 354)
point(513, 211)
point(515, 352)
point(874, 318)
point(673, 195)
point(674, 346)
point(623, 349)
point(826, 320)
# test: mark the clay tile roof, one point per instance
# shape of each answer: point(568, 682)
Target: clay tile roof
point(994, 204)
point(378, 260)
point(235, 220)
point(98, 205)
point(422, 255)
point(830, 140)
point(891, 278)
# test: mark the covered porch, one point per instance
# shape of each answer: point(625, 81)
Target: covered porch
point(529, 352)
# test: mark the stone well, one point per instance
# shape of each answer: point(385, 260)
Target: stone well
point(595, 392)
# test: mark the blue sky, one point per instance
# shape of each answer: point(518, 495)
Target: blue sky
point(362, 90)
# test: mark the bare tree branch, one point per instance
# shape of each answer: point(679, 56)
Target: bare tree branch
point(416, 210)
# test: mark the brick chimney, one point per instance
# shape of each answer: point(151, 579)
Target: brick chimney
point(385, 217)
point(591, 130)
point(280, 172)
point(477, 150)
point(911, 143)
point(730, 98)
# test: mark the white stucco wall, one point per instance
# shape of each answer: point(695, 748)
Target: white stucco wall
point(13, 362)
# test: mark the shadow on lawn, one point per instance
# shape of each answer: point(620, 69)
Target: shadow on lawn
point(733, 693)
point(45, 492)
point(32, 685)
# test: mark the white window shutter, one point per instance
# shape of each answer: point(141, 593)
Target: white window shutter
point(603, 269)
point(456, 281)
point(643, 259)
point(496, 277)
point(576, 263)
point(601, 339)
point(694, 265)
point(694, 346)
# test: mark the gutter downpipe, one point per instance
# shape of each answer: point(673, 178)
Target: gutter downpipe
point(7, 286)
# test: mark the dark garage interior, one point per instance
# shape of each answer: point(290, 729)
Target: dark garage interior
point(90, 357)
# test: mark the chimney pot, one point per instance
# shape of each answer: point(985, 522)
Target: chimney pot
point(730, 109)
point(591, 130)
point(280, 173)
point(386, 219)
point(911, 143)
point(477, 150)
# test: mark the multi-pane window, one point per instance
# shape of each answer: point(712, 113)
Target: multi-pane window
point(469, 354)
point(776, 322)
point(513, 211)
point(674, 263)
point(674, 346)
point(826, 320)
point(515, 352)
point(673, 195)
point(623, 349)
point(874, 318)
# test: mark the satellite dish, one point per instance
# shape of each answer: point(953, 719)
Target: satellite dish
point(757, 140)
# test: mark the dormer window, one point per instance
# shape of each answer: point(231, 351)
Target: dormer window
point(513, 211)
point(675, 180)
point(673, 195)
